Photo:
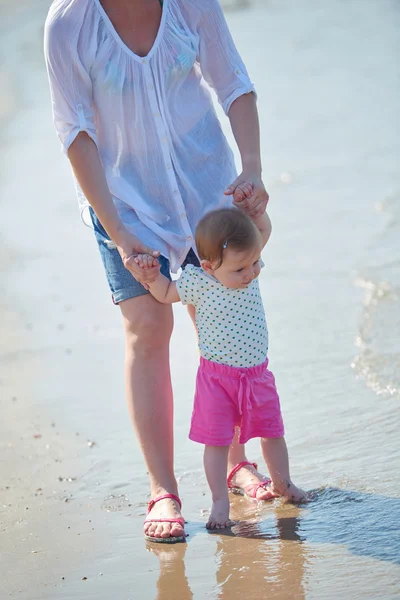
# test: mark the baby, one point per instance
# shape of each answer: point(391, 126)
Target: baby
point(234, 387)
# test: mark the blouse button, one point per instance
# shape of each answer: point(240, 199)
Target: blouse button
point(150, 87)
point(237, 71)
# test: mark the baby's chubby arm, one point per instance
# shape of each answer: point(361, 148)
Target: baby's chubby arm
point(162, 288)
point(263, 222)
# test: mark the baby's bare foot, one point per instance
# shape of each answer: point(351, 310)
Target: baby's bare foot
point(219, 517)
point(291, 492)
point(248, 480)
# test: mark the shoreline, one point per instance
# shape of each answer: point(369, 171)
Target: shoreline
point(72, 506)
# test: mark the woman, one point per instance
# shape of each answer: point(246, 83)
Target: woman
point(134, 114)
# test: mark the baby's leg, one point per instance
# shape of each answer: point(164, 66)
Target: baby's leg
point(215, 465)
point(276, 456)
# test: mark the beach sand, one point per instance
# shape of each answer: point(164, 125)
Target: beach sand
point(73, 486)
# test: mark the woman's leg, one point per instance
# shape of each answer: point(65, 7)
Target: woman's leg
point(172, 576)
point(148, 327)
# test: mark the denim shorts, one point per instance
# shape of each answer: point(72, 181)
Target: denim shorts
point(122, 283)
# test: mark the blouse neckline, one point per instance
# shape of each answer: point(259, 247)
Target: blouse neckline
point(119, 40)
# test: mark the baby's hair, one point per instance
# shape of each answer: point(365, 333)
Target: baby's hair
point(225, 228)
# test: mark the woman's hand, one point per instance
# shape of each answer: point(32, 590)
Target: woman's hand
point(129, 247)
point(255, 204)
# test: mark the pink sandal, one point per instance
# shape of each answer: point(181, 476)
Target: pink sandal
point(180, 520)
point(251, 489)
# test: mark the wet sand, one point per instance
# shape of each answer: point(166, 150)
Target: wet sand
point(73, 487)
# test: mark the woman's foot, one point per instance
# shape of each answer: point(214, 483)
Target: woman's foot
point(164, 509)
point(247, 478)
point(219, 517)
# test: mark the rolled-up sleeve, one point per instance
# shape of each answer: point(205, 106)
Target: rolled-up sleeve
point(220, 62)
point(70, 83)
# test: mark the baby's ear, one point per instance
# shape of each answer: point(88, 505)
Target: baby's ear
point(207, 266)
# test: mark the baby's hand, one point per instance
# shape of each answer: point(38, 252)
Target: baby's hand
point(242, 192)
point(145, 261)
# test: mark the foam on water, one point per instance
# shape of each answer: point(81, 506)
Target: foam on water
point(378, 358)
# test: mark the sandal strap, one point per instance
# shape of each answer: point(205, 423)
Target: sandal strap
point(255, 487)
point(163, 497)
point(239, 466)
point(180, 521)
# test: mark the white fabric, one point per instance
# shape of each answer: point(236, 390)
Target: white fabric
point(231, 323)
point(166, 159)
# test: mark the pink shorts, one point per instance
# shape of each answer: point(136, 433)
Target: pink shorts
point(230, 396)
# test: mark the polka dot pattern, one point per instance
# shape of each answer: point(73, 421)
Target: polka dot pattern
point(231, 323)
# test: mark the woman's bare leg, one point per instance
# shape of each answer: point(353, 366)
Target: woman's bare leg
point(148, 327)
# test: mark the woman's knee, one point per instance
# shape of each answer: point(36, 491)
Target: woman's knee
point(148, 324)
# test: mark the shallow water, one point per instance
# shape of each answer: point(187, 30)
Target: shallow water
point(73, 489)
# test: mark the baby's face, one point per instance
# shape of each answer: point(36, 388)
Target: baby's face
point(239, 268)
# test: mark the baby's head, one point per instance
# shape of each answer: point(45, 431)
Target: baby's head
point(229, 246)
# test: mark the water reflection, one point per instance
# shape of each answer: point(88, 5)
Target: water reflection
point(271, 561)
point(254, 557)
point(172, 581)
point(270, 550)
point(365, 524)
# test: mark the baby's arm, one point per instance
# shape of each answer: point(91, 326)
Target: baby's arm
point(162, 288)
point(263, 222)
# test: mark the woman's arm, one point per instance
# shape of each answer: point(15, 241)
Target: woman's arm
point(71, 91)
point(243, 116)
point(224, 70)
point(89, 173)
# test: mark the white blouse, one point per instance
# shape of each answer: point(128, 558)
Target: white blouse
point(165, 157)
